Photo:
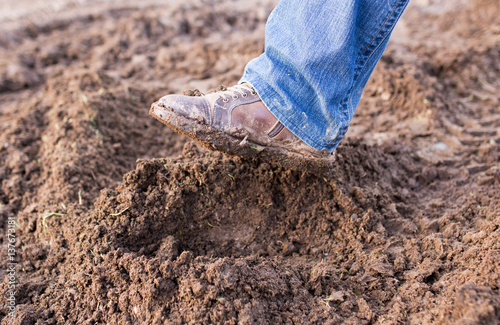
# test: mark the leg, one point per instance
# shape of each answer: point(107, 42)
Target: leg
point(294, 102)
point(318, 57)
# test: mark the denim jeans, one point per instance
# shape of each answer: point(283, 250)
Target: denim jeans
point(317, 59)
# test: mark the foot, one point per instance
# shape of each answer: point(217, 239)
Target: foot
point(236, 121)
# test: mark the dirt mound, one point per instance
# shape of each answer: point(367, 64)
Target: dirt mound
point(405, 228)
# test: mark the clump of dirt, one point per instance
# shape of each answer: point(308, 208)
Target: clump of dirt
point(120, 220)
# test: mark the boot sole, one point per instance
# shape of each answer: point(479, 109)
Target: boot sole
point(215, 139)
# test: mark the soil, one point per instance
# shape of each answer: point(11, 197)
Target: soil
point(119, 220)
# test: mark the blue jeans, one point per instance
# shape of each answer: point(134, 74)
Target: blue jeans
point(318, 57)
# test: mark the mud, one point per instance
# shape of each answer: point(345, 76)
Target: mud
point(119, 220)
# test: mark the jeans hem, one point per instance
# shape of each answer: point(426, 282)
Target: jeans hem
point(266, 94)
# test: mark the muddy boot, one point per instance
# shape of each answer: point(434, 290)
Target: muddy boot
point(236, 121)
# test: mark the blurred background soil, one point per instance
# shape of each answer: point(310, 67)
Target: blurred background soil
point(121, 221)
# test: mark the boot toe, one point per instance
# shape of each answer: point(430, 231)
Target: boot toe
point(193, 107)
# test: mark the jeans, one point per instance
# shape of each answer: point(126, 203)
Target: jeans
point(317, 59)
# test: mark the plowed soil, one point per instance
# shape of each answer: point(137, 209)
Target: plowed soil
point(119, 220)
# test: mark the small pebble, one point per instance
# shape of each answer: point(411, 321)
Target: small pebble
point(440, 146)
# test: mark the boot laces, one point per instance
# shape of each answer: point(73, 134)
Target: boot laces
point(241, 89)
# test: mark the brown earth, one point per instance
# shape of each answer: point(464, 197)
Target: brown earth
point(407, 230)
